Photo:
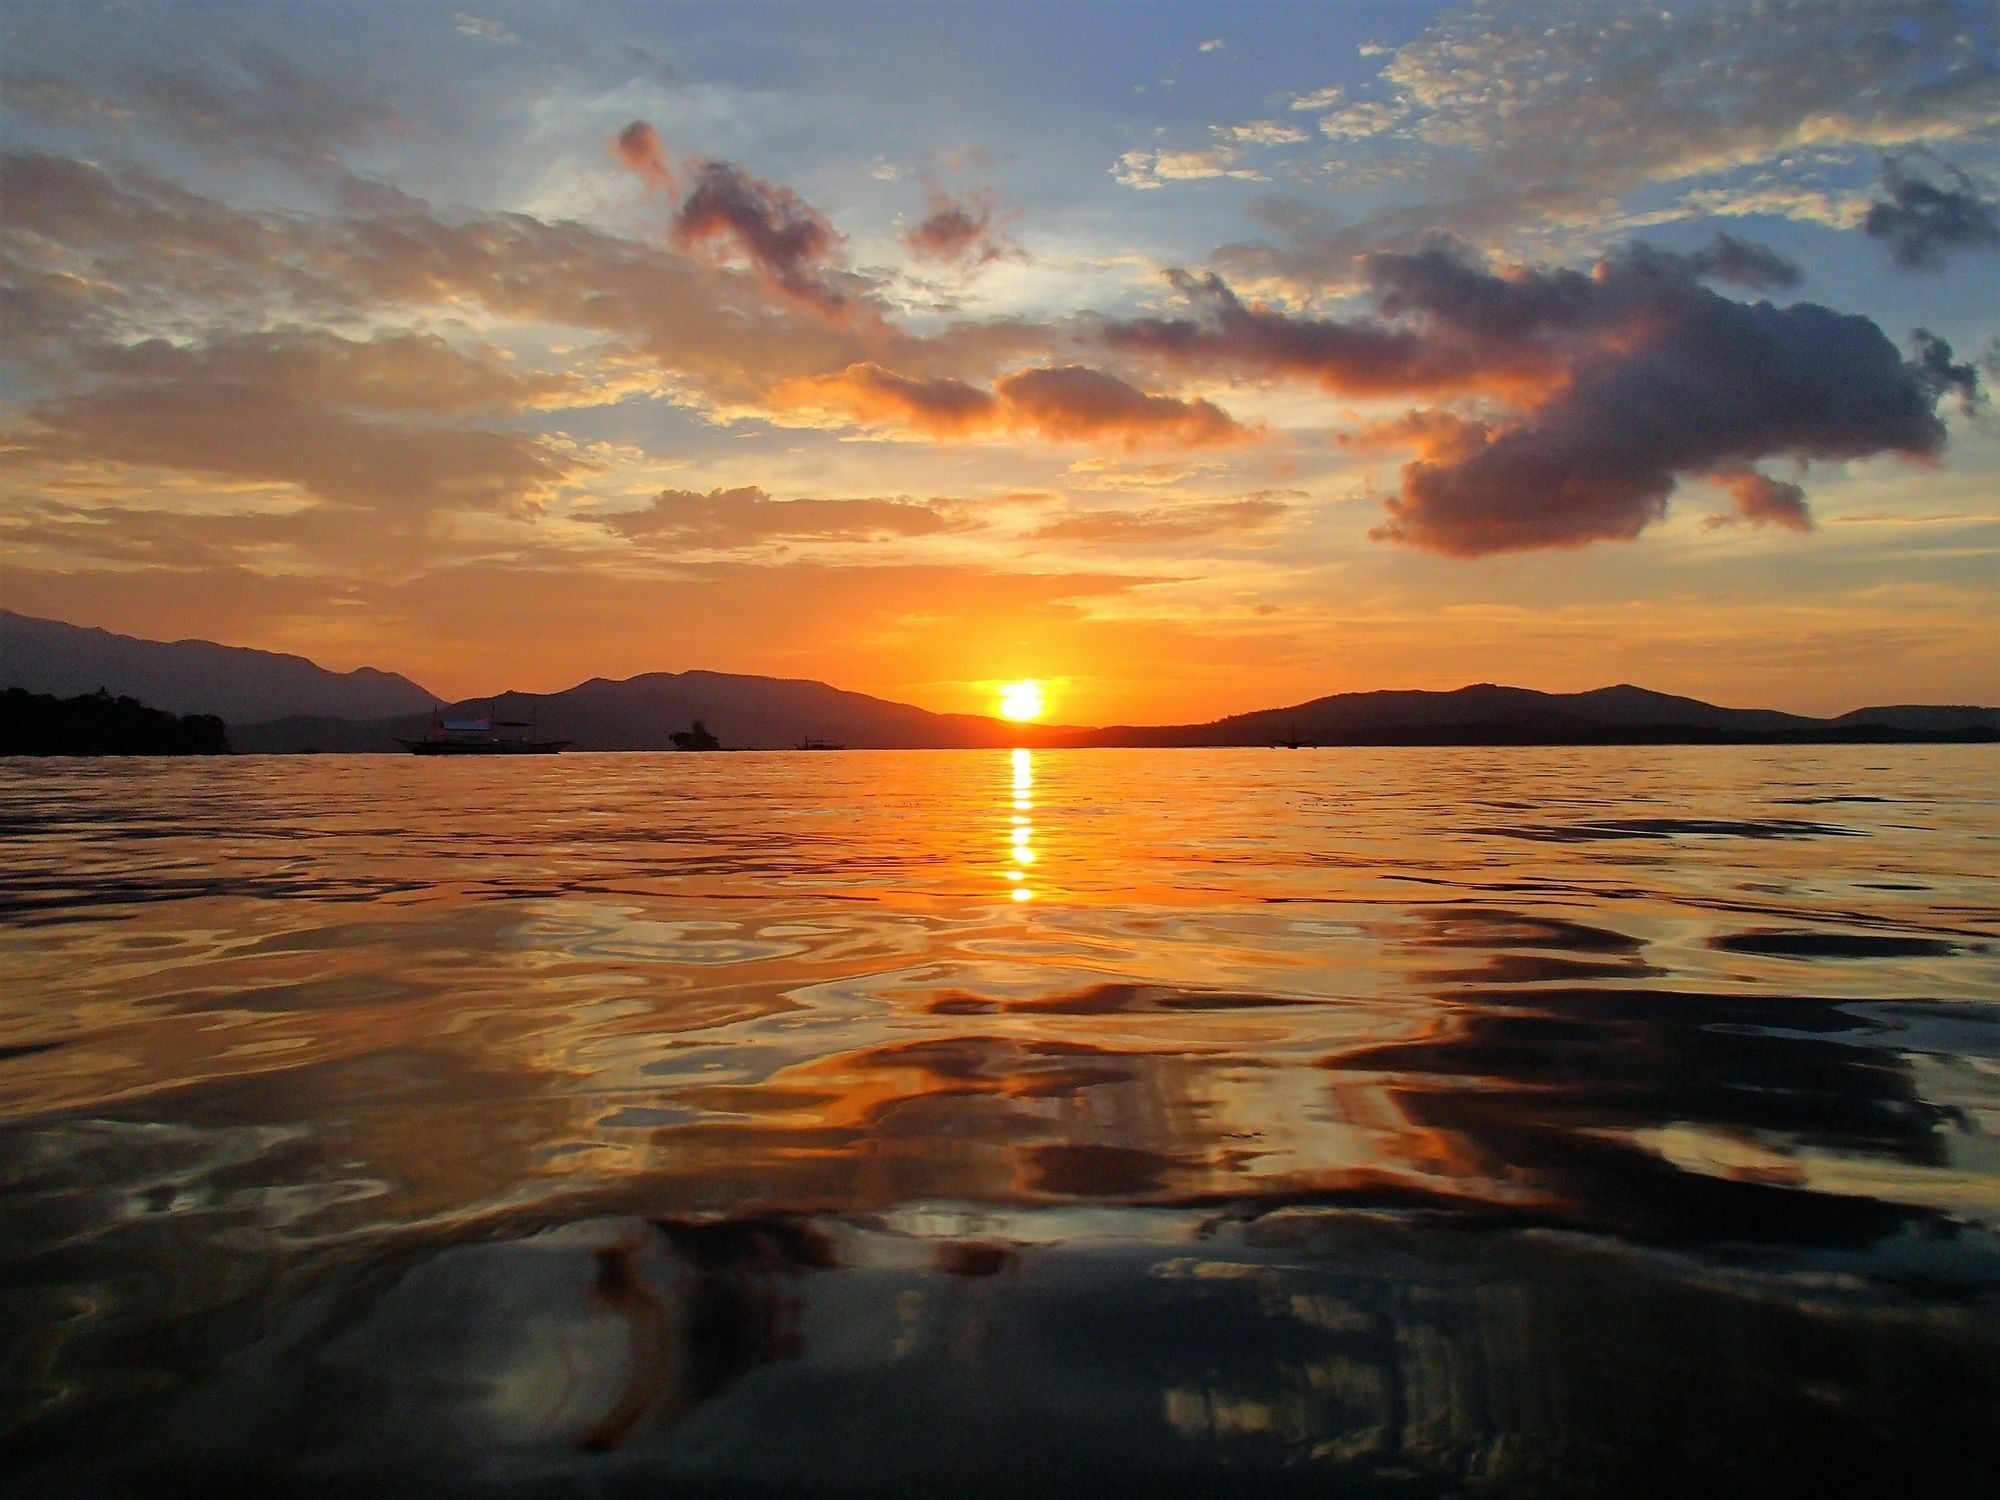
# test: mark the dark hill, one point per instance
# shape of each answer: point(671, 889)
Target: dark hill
point(1488, 714)
point(1926, 718)
point(193, 677)
point(641, 713)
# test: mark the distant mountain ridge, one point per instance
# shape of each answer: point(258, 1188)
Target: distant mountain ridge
point(748, 712)
point(640, 713)
point(1486, 713)
point(235, 683)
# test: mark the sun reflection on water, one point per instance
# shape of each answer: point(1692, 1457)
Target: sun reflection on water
point(1021, 825)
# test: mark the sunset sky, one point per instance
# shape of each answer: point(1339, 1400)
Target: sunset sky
point(1186, 359)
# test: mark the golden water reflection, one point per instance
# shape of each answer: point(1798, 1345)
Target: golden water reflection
point(616, 1093)
point(1021, 824)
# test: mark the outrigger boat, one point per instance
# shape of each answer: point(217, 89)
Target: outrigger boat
point(486, 736)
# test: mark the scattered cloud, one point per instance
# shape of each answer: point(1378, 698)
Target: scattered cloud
point(1214, 44)
point(1362, 119)
point(1929, 209)
point(962, 229)
point(1318, 100)
point(1609, 99)
point(787, 241)
point(1504, 122)
point(640, 150)
point(1762, 501)
point(1260, 133)
point(1154, 169)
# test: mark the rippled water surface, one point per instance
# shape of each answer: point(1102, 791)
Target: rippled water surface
point(1100, 1122)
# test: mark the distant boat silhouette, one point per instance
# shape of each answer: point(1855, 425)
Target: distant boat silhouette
point(481, 737)
point(819, 745)
point(696, 738)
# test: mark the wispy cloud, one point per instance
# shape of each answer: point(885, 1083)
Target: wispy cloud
point(747, 516)
point(1152, 525)
point(467, 24)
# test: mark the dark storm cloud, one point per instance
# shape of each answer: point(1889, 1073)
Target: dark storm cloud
point(1930, 209)
point(1447, 322)
point(1712, 386)
point(1623, 381)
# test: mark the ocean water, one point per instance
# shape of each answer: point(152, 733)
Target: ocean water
point(1377, 1122)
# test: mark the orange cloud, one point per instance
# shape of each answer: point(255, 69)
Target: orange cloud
point(1762, 501)
point(1062, 404)
point(962, 230)
point(1076, 404)
point(639, 148)
point(746, 516)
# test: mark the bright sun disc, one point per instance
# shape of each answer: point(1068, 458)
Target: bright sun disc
point(1020, 700)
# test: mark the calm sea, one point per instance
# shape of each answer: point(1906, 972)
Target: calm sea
point(1389, 1122)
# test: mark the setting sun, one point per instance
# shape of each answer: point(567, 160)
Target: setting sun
point(1020, 701)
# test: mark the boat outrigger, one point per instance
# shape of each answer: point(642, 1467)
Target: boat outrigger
point(487, 736)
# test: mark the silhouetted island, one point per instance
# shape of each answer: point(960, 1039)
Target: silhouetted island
point(99, 724)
